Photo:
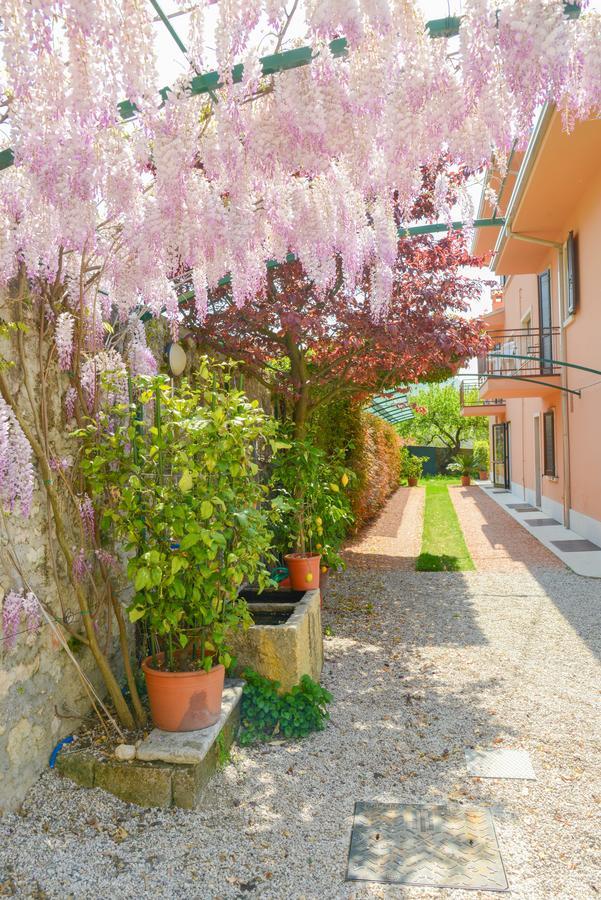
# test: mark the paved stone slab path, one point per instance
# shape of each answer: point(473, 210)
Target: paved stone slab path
point(393, 540)
point(421, 666)
point(495, 541)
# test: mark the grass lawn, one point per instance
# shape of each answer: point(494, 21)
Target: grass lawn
point(443, 545)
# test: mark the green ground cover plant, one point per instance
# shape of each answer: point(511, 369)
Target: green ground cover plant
point(266, 713)
point(443, 545)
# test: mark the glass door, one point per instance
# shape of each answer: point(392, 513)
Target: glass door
point(500, 449)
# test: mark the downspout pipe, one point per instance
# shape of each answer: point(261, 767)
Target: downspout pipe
point(563, 372)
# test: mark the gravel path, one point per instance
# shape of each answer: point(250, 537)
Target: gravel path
point(393, 540)
point(421, 665)
point(495, 542)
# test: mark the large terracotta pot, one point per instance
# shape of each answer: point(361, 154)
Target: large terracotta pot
point(184, 701)
point(304, 570)
point(465, 480)
point(412, 482)
point(482, 475)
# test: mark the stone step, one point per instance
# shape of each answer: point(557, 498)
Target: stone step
point(170, 768)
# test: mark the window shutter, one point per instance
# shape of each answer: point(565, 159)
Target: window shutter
point(549, 443)
point(572, 267)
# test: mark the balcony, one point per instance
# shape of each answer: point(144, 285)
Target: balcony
point(520, 364)
point(472, 404)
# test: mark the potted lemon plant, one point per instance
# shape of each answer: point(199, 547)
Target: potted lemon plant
point(182, 496)
point(311, 492)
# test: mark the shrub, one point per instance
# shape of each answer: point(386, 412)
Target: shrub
point(376, 459)
point(411, 466)
point(481, 456)
point(265, 713)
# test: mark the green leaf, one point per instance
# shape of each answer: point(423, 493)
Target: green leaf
point(189, 540)
point(136, 613)
point(142, 578)
point(206, 509)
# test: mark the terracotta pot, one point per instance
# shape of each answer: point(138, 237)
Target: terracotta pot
point(465, 481)
point(304, 570)
point(184, 701)
point(482, 475)
point(412, 482)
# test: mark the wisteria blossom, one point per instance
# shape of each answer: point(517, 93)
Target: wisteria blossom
point(63, 337)
point(87, 517)
point(321, 161)
point(16, 467)
point(16, 608)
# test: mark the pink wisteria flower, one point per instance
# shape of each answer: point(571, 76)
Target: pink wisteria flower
point(63, 337)
point(16, 467)
point(15, 608)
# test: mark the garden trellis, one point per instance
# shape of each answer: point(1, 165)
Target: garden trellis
point(278, 165)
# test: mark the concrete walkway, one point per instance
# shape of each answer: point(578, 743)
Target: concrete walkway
point(580, 555)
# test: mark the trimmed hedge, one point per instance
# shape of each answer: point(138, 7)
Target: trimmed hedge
point(376, 459)
point(372, 450)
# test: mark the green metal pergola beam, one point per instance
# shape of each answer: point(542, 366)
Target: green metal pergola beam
point(164, 19)
point(275, 62)
point(403, 232)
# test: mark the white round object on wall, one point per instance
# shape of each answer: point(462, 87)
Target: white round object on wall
point(177, 359)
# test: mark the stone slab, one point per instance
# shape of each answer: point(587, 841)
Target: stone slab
point(426, 846)
point(576, 546)
point(499, 763)
point(134, 782)
point(159, 781)
point(78, 765)
point(536, 523)
point(190, 747)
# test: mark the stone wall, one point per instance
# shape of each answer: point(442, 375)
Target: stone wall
point(42, 695)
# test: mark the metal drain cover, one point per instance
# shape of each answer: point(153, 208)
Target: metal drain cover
point(499, 763)
point(430, 846)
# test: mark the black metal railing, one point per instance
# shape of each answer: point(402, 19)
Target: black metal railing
point(469, 393)
point(521, 353)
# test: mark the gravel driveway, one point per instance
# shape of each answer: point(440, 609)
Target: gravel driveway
point(421, 665)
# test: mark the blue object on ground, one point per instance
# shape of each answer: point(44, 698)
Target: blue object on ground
point(55, 752)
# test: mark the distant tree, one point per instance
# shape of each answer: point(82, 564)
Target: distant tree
point(438, 420)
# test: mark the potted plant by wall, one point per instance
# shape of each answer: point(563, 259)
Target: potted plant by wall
point(462, 465)
point(481, 459)
point(412, 467)
point(181, 494)
point(311, 491)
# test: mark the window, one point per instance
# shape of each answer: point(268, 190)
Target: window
point(549, 443)
point(571, 274)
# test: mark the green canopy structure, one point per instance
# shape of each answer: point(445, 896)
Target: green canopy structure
point(392, 406)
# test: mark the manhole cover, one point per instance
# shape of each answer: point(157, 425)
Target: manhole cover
point(430, 846)
point(499, 763)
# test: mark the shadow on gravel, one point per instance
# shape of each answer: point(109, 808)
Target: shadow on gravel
point(569, 592)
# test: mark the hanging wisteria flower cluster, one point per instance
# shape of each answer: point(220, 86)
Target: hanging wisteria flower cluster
point(16, 608)
point(322, 161)
point(16, 468)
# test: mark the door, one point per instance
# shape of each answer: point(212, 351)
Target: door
point(537, 467)
point(500, 450)
point(545, 322)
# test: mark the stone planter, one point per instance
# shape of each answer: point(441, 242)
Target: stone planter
point(286, 650)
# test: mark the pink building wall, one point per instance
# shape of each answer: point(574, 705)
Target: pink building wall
point(582, 338)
